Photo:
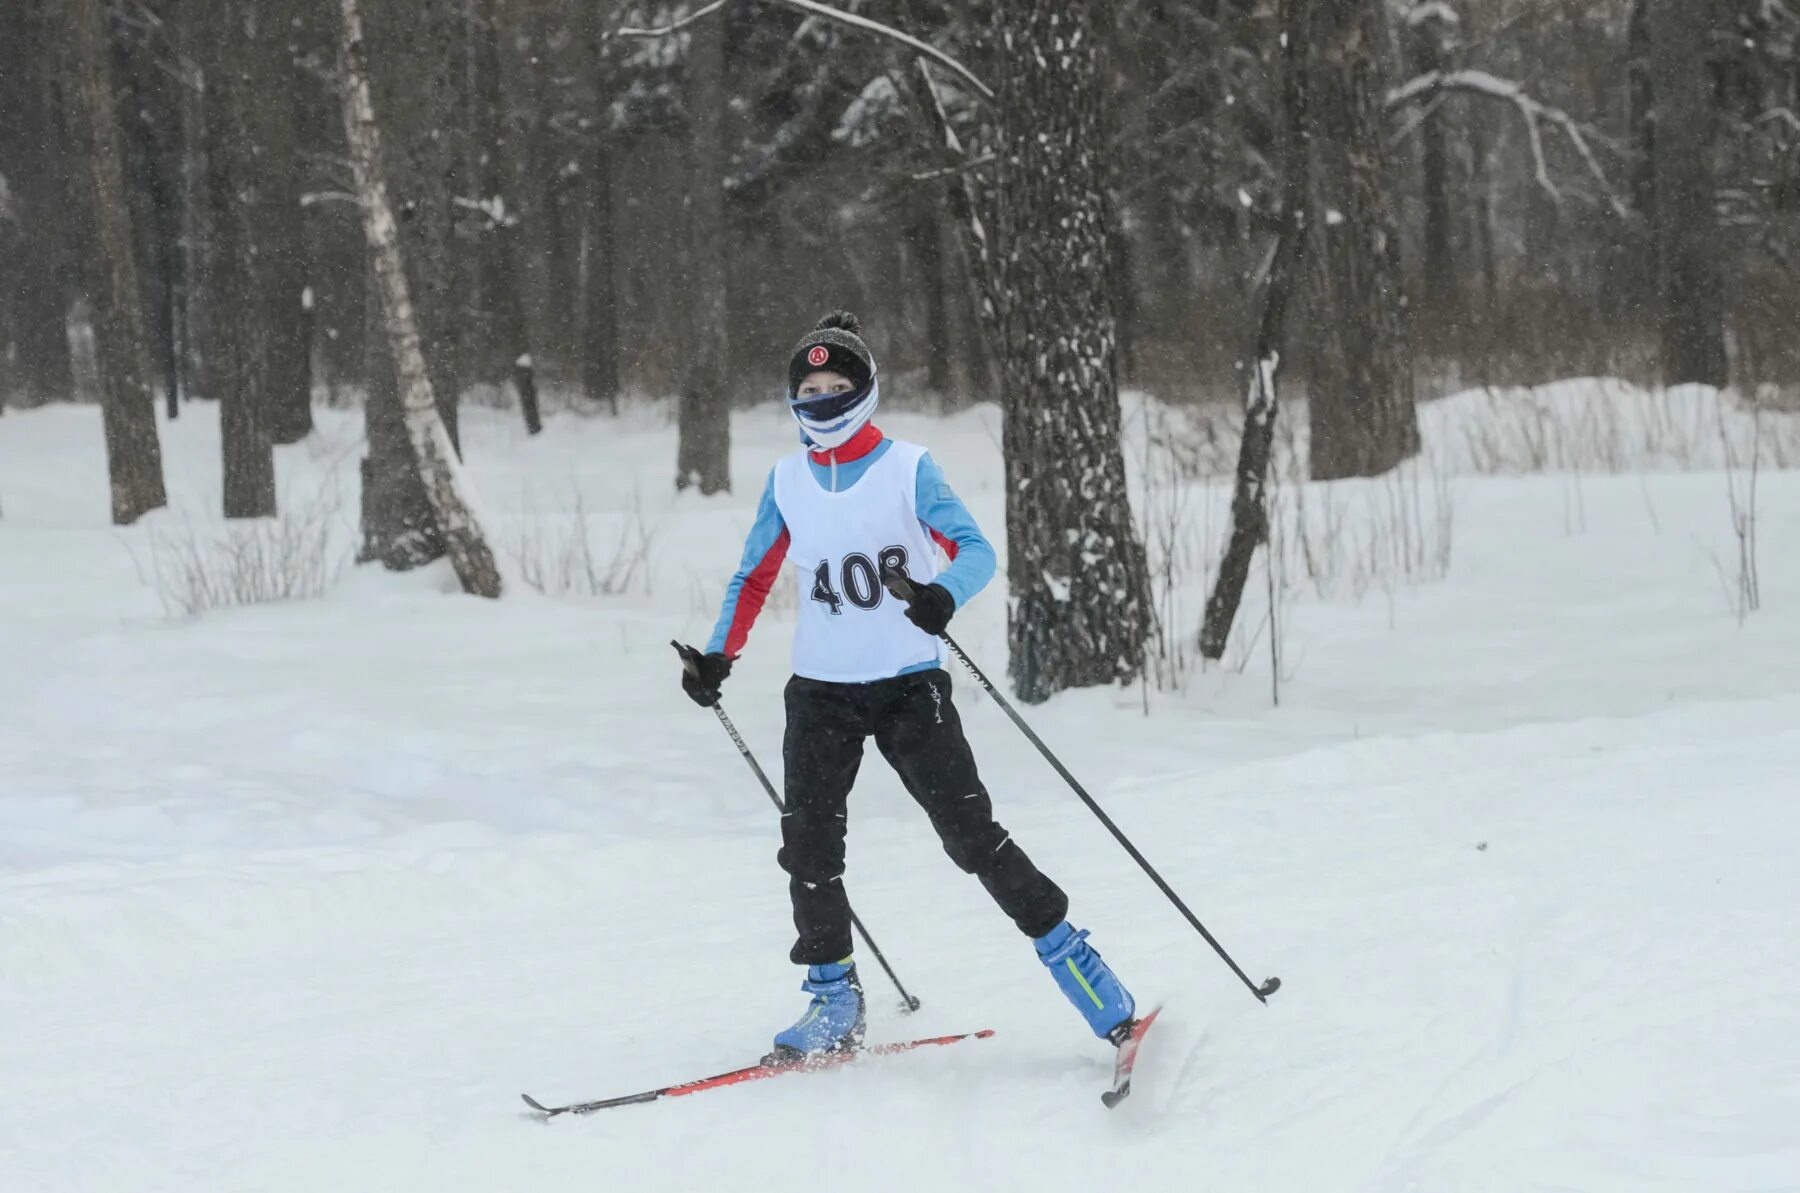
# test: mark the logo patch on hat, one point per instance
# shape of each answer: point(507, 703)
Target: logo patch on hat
point(818, 356)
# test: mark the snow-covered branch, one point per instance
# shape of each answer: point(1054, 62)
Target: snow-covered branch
point(888, 31)
point(1780, 116)
point(830, 14)
point(1533, 112)
point(675, 26)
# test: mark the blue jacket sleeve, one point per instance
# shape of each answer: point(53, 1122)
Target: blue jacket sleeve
point(764, 550)
point(942, 512)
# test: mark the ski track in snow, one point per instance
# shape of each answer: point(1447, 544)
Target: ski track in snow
point(302, 897)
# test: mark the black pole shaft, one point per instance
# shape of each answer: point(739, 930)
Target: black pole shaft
point(912, 1004)
point(902, 586)
point(690, 659)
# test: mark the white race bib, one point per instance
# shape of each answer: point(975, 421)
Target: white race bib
point(850, 630)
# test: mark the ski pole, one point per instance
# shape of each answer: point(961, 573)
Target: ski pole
point(690, 660)
point(903, 588)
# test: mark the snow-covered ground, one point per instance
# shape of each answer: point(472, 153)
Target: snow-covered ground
point(299, 897)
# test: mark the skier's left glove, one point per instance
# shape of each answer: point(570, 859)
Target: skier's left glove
point(931, 608)
point(702, 674)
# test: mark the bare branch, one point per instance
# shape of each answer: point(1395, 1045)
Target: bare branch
point(675, 26)
point(947, 171)
point(963, 204)
point(1780, 116)
point(831, 14)
point(906, 39)
point(1532, 111)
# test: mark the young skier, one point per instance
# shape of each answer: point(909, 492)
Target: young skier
point(847, 507)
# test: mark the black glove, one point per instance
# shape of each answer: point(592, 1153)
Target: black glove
point(930, 608)
point(701, 675)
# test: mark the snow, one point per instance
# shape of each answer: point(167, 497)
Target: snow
point(302, 896)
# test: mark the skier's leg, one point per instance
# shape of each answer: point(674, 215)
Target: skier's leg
point(821, 751)
point(920, 734)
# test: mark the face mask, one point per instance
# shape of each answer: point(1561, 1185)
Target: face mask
point(832, 420)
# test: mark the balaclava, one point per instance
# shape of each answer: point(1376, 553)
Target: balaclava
point(831, 420)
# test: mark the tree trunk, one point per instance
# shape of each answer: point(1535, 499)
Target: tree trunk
point(1685, 222)
point(433, 453)
point(1079, 586)
point(1360, 376)
point(415, 48)
point(599, 280)
point(133, 455)
point(240, 290)
point(599, 275)
point(36, 272)
point(1427, 37)
point(703, 455)
point(282, 228)
point(153, 99)
point(934, 281)
point(499, 189)
point(1249, 499)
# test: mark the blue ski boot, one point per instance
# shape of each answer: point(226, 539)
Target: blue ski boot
point(833, 1023)
point(1086, 980)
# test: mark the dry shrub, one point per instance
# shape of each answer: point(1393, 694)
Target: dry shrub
point(565, 554)
point(292, 557)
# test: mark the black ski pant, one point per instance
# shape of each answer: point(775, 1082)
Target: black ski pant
point(916, 728)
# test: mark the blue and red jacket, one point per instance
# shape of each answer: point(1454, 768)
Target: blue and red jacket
point(972, 561)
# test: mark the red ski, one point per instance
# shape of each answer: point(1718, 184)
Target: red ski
point(753, 1073)
point(1127, 1059)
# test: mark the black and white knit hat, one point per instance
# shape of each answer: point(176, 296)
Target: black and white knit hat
point(834, 343)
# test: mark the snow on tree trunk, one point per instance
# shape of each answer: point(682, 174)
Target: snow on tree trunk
point(1079, 585)
point(433, 453)
point(1249, 499)
point(1684, 222)
point(127, 387)
point(1360, 371)
point(704, 451)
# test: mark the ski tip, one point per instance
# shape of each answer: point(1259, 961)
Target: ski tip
point(538, 1106)
point(986, 1033)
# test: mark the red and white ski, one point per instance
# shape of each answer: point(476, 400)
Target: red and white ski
point(752, 1073)
point(1127, 1059)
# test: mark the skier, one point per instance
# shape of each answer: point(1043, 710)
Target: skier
point(848, 506)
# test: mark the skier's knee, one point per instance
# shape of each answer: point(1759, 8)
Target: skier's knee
point(975, 852)
point(817, 865)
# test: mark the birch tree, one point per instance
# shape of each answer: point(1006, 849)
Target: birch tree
point(433, 453)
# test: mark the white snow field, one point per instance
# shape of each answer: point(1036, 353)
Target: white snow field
point(299, 897)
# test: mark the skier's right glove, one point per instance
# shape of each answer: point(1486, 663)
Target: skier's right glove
point(701, 675)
